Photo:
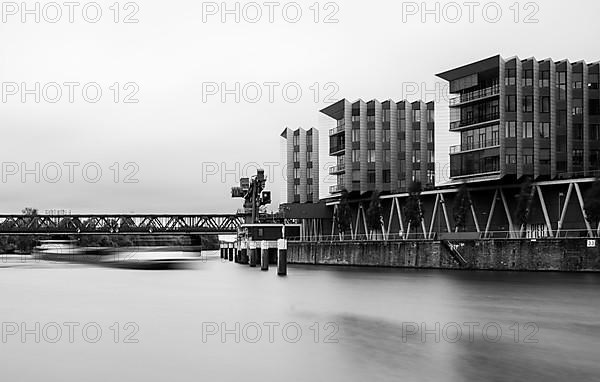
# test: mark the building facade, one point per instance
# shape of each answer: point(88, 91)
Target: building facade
point(381, 146)
point(519, 118)
point(302, 165)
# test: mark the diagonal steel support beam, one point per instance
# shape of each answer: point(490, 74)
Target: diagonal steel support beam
point(581, 205)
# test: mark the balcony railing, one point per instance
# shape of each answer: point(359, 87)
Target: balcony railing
point(337, 169)
point(337, 130)
point(336, 189)
point(474, 120)
point(475, 95)
point(474, 146)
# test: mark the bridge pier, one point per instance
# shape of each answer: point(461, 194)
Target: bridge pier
point(282, 257)
point(264, 256)
point(231, 251)
point(252, 254)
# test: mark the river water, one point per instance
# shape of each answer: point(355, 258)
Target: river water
point(226, 322)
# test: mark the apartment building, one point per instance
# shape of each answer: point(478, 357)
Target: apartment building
point(525, 117)
point(302, 165)
point(381, 146)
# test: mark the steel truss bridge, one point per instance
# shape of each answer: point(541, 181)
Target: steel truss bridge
point(119, 224)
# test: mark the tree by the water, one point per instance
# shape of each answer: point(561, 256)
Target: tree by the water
point(461, 206)
point(375, 213)
point(343, 215)
point(413, 208)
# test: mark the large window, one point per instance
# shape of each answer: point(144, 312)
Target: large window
point(527, 79)
point(545, 104)
point(355, 155)
point(561, 84)
point(595, 132)
point(577, 80)
point(577, 131)
point(511, 129)
point(544, 79)
point(511, 103)
point(430, 116)
point(387, 156)
point(355, 135)
point(577, 106)
point(386, 115)
point(528, 104)
point(578, 157)
point(371, 135)
point(593, 81)
point(528, 156)
point(527, 129)
point(511, 156)
point(386, 135)
point(511, 77)
point(416, 156)
point(356, 118)
point(544, 129)
point(416, 136)
point(371, 156)
point(370, 118)
point(429, 136)
point(416, 115)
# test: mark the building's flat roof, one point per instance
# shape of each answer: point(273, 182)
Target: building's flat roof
point(335, 111)
point(479, 66)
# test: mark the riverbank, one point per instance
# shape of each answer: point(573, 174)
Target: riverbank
point(564, 255)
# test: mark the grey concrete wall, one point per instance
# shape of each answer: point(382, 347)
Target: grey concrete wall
point(510, 255)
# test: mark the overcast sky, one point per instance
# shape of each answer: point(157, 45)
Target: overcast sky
point(178, 134)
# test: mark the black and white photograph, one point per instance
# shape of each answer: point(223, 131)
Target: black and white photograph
point(304, 190)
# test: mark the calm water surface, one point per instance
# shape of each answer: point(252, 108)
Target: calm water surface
point(369, 324)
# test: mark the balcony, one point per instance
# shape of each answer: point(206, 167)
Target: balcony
point(474, 146)
point(337, 169)
point(341, 128)
point(475, 120)
point(338, 188)
point(475, 95)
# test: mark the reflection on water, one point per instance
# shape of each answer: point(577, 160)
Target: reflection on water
point(227, 322)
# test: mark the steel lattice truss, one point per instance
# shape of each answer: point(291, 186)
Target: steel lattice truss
point(120, 224)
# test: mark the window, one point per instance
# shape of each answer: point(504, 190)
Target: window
point(544, 79)
point(527, 79)
point(429, 136)
point(528, 104)
point(577, 80)
point(403, 114)
point(595, 132)
point(371, 156)
point(416, 156)
point(296, 156)
point(296, 189)
point(387, 156)
point(430, 116)
point(511, 156)
point(511, 129)
point(511, 103)
point(370, 118)
point(511, 77)
point(356, 175)
point(416, 175)
point(309, 156)
point(309, 172)
point(431, 156)
point(371, 135)
point(545, 104)
point(593, 81)
point(527, 129)
point(371, 176)
point(355, 135)
point(416, 115)
point(387, 176)
point(561, 84)
point(577, 131)
point(386, 135)
point(544, 129)
point(528, 156)
point(355, 155)
point(577, 106)
point(482, 137)
point(495, 135)
point(431, 176)
point(416, 136)
point(296, 173)
point(386, 115)
point(578, 157)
